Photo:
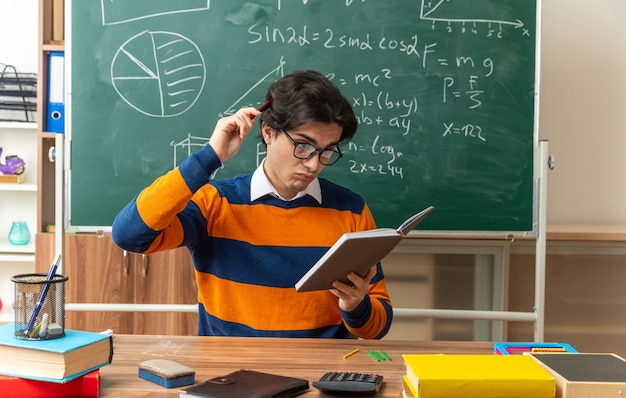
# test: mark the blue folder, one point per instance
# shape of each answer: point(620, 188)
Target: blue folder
point(55, 118)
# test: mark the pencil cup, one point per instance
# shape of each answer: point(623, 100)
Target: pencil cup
point(39, 306)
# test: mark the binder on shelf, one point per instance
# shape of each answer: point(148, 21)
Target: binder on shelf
point(58, 11)
point(55, 119)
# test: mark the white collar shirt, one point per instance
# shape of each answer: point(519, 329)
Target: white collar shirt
point(260, 186)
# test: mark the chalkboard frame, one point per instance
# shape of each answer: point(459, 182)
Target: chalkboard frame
point(530, 226)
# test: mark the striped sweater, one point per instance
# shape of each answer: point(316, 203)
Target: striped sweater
point(248, 255)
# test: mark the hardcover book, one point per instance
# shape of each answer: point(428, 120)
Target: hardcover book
point(55, 360)
point(87, 385)
point(477, 376)
point(356, 252)
point(408, 391)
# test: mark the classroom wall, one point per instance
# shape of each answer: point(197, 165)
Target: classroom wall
point(582, 114)
point(583, 109)
point(18, 47)
point(19, 28)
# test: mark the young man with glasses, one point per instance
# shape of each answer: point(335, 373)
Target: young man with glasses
point(253, 236)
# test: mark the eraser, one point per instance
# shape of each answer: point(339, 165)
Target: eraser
point(54, 329)
point(166, 373)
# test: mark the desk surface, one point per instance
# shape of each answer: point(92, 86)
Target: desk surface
point(587, 232)
point(564, 232)
point(305, 358)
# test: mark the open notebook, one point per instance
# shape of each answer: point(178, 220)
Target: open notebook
point(356, 251)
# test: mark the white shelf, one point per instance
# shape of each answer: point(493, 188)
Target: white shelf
point(17, 258)
point(24, 187)
point(17, 253)
point(6, 247)
point(18, 201)
point(18, 125)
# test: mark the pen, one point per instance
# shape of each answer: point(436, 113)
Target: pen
point(263, 107)
point(348, 355)
point(42, 295)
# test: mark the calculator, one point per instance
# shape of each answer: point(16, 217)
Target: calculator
point(349, 383)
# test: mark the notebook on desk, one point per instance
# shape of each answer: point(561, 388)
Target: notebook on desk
point(249, 384)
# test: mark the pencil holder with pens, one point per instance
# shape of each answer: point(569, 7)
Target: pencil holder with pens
point(39, 306)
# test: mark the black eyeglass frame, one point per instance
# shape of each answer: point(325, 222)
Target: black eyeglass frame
point(315, 150)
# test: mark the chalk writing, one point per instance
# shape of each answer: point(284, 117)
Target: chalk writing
point(329, 39)
point(119, 12)
point(167, 67)
point(467, 130)
point(362, 167)
point(387, 153)
point(444, 92)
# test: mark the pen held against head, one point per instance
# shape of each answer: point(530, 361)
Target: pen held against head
point(261, 108)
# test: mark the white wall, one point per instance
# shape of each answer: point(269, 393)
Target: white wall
point(19, 28)
point(583, 109)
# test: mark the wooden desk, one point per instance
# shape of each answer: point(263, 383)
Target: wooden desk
point(587, 232)
point(305, 358)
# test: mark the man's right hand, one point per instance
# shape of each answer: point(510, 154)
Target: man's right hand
point(230, 131)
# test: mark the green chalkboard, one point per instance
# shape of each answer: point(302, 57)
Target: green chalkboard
point(445, 92)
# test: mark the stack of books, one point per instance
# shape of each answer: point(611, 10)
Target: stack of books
point(64, 367)
point(475, 376)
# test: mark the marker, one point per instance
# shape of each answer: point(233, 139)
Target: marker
point(374, 356)
point(42, 296)
point(348, 355)
point(387, 357)
point(261, 108)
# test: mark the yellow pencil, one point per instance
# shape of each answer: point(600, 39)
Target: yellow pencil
point(348, 355)
point(35, 332)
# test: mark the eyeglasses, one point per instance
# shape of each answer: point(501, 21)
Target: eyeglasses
point(305, 151)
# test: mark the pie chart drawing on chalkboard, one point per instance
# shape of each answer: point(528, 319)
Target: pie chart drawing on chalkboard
point(159, 74)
